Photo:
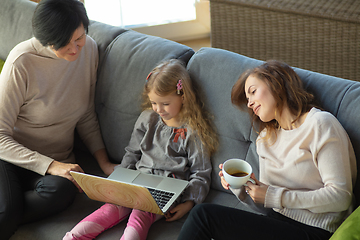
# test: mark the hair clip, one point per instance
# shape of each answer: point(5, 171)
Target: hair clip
point(179, 86)
point(148, 76)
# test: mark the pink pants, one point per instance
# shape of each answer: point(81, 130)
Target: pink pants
point(108, 216)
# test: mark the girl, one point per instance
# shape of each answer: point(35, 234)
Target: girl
point(307, 166)
point(172, 137)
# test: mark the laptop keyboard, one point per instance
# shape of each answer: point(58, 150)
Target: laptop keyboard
point(161, 197)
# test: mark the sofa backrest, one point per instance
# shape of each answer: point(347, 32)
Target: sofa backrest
point(122, 74)
point(18, 28)
point(103, 34)
point(215, 71)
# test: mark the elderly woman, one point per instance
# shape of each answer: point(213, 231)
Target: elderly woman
point(46, 91)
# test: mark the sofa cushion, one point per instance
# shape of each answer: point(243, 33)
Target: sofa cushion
point(103, 34)
point(126, 63)
point(209, 67)
point(349, 229)
point(19, 28)
point(15, 24)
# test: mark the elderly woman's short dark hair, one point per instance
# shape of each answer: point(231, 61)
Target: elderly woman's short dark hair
point(55, 21)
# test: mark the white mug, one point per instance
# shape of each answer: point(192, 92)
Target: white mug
point(236, 172)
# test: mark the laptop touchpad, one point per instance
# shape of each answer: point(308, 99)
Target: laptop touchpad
point(147, 180)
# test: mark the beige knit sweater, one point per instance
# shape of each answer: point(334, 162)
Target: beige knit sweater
point(42, 99)
point(310, 171)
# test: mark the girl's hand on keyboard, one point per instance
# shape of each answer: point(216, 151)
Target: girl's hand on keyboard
point(179, 211)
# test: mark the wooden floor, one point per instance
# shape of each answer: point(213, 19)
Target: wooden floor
point(197, 43)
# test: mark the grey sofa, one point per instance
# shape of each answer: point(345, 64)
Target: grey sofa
point(126, 57)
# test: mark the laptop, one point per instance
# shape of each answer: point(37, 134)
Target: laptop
point(132, 189)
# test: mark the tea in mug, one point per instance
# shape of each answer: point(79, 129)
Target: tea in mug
point(237, 173)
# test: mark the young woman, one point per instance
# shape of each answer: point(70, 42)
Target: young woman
point(46, 90)
point(307, 166)
point(172, 137)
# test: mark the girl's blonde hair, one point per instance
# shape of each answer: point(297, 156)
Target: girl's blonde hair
point(285, 86)
point(164, 80)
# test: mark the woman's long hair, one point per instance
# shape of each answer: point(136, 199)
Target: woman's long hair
point(163, 79)
point(285, 86)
